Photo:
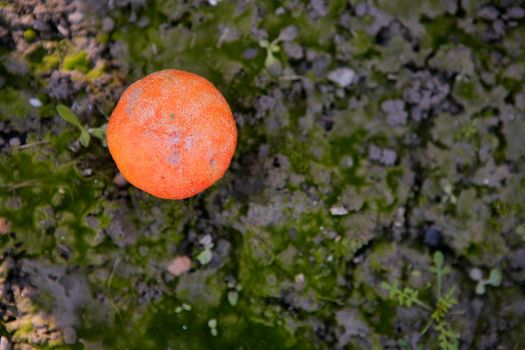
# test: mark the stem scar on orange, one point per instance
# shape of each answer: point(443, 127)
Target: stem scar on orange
point(172, 134)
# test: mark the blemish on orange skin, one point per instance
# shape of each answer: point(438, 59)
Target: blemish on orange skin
point(172, 134)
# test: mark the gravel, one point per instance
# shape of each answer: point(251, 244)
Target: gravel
point(342, 76)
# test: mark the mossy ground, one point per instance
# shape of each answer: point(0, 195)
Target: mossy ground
point(335, 186)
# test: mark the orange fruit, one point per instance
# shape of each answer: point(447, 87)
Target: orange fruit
point(172, 134)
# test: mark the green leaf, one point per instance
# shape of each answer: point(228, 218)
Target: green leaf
point(205, 256)
point(233, 298)
point(480, 288)
point(263, 43)
point(68, 115)
point(438, 259)
point(99, 133)
point(212, 323)
point(495, 277)
point(361, 43)
point(84, 138)
point(270, 59)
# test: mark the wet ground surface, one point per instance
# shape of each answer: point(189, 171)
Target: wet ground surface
point(376, 199)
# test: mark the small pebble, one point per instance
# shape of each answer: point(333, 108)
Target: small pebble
point(476, 274)
point(35, 102)
point(107, 24)
point(143, 22)
point(342, 76)
point(70, 335)
point(488, 12)
point(361, 9)
point(433, 237)
point(299, 278)
point(338, 211)
point(5, 344)
point(120, 181)
point(76, 17)
point(206, 240)
point(14, 142)
point(179, 265)
point(280, 11)
point(516, 12)
point(63, 30)
point(289, 33)
point(5, 226)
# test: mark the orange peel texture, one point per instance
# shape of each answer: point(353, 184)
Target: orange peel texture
point(172, 134)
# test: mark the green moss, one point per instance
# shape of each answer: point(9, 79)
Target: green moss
point(45, 300)
point(33, 185)
point(29, 35)
point(13, 104)
point(23, 330)
point(48, 63)
point(95, 73)
point(77, 61)
point(159, 326)
point(103, 38)
point(361, 43)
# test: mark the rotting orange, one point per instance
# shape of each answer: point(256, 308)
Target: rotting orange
point(172, 134)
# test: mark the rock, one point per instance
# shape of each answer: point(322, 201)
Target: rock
point(15, 66)
point(107, 24)
point(475, 274)
point(293, 50)
point(250, 53)
point(143, 22)
point(60, 86)
point(35, 102)
point(319, 7)
point(120, 181)
point(70, 335)
point(342, 76)
point(5, 226)
point(384, 156)
point(338, 211)
point(488, 12)
point(516, 12)
point(76, 17)
point(395, 111)
point(63, 30)
point(5, 344)
point(179, 265)
point(361, 9)
point(14, 142)
point(288, 34)
point(432, 237)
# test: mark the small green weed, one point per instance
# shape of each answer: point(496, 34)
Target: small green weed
point(271, 48)
point(493, 280)
point(448, 339)
point(85, 132)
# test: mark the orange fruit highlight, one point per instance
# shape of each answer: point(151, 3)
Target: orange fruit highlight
point(172, 134)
